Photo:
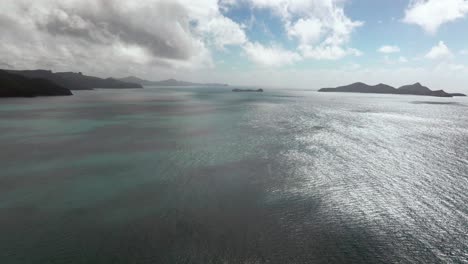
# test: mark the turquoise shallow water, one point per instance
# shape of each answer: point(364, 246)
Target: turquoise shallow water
point(204, 175)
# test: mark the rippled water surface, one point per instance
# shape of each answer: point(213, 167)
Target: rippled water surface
point(208, 176)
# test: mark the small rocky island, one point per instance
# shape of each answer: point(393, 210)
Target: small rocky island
point(237, 90)
point(414, 89)
point(13, 85)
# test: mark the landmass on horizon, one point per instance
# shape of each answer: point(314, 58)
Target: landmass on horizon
point(169, 82)
point(237, 90)
point(76, 81)
point(32, 83)
point(414, 89)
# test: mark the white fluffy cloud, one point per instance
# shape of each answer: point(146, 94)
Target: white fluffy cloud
point(389, 49)
point(270, 56)
point(308, 31)
point(431, 14)
point(440, 51)
point(321, 27)
point(217, 29)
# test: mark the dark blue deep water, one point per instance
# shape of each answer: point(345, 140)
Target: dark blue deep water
point(201, 175)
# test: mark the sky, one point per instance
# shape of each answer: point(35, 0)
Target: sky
point(304, 44)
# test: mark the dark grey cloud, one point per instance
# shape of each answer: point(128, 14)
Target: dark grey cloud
point(160, 27)
point(6, 21)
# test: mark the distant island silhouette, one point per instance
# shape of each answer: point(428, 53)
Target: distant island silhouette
point(414, 89)
point(76, 81)
point(14, 85)
point(248, 90)
point(169, 82)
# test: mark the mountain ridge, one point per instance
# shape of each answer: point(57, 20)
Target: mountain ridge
point(168, 82)
point(75, 81)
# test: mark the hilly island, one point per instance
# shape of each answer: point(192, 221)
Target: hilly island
point(13, 85)
point(76, 81)
point(414, 89)
point(32, 83)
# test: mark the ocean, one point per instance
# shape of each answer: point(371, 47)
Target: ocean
point(205, 175)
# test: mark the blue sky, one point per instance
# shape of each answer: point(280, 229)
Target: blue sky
point(282, 43)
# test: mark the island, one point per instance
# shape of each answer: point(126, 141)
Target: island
point(13, 85)
point(76, 81)
point(414, 89)
point(169, 82)
point(237, 90)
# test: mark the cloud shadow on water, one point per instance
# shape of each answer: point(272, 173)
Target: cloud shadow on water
point(226, 213)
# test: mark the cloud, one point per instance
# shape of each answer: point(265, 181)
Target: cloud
point(431, 14)
point(307, 30)
point(402, 59)
point(270, 56)
point(161, 27)
point(440, 51)
point(389, 49)
point(327, 52)
point(321, 27)
point(464, 52)
point(222, 31)
point(117, 36)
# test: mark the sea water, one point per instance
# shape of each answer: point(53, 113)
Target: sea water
point(204, 175)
